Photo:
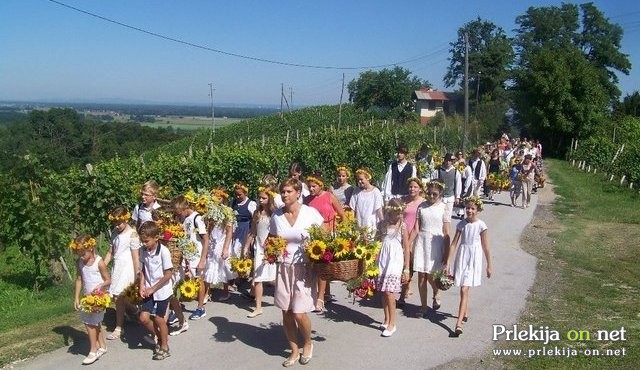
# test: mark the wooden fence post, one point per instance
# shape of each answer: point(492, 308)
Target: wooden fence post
point(622, 179)
point(286, 143)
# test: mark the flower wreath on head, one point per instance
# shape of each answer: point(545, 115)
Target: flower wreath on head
point(417, 181)
point(122, 218)
point(219, 194)
point(315, 180)
point(88, 244)
point(345, 169)
point(475, 200)
point(243, 187)
point(399, 208)
point(362, 171)
point(437, 183)
point(267, 190)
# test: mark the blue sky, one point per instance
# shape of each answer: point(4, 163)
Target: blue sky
point(50, 52)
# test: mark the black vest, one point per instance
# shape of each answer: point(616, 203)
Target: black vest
point(399, 179)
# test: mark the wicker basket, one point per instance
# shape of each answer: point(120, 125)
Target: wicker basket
point(176, 253)
point(343, 270)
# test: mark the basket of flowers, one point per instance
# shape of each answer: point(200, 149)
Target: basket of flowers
point(241, 266)
point(187, 289)
point(442, 280)
point(97, 301)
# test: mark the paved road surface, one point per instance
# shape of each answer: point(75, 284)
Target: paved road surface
point(347, 335)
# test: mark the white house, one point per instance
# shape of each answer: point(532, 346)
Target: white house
point(429, 102)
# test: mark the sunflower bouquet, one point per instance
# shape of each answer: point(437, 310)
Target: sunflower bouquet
point(188, 248)
point(275, 249)
point(132, 293)
point(171, 229)
point(443, 281)
point(98, 301)
point(241, 266)
point(199, 200)
point(499, 181)
point(187, 289)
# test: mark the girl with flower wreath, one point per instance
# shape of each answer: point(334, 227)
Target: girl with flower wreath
point(220, 221)
point(243, 208)
point(262, 271)
point(367, 201)
point(431, 236)
point(329, 207)
point(471, 234)
point(412, 201)
point(341, 188)
point(270, 182)
point(124, 248)
point(393, 255)
point(92, 277)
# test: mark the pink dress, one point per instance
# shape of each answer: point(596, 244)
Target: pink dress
point(409, 214)
point(322, 203)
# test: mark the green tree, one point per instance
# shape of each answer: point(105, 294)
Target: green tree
point(490, 56)
point(562, 80)
point(630, 106)
point(388, 90)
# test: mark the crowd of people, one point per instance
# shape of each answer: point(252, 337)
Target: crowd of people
point(410, 214)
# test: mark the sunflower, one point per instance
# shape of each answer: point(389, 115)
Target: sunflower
point(369, 257)
point(342, 247)
point(189, 289)
point(316, 249)
point(359, 252)
point(372, 271)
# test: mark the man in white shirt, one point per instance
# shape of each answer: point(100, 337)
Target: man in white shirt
point(395, 180)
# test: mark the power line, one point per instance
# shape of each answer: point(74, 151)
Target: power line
point(204, 47)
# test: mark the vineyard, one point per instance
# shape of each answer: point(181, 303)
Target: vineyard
point(41, 215)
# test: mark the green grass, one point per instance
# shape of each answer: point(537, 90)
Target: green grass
point(589, 278)
point(190, 122)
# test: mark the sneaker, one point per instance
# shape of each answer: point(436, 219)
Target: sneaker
point(389, 332)
point(198, 314)
point(101, 351)
point(161, 354)
point(172, 318)
point(93, 357)
point(181, 329)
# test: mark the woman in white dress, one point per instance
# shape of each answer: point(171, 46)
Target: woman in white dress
point(293, 279)
point(262, 271)
point(367, 202)
point(431, 236)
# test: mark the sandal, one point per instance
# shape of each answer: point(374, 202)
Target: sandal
point(306, 359)
point(458, 331)
point(436, 304)
point(319, 306)
point(465, 319)
point(115, 334)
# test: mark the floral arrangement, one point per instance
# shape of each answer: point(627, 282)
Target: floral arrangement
point(345, 169)
point(540, 180)
point(172, 230)
point(361, 287)
point(188, 248)
point(241, 266)
point(499, 181)
point(460, 167)
point(443, 281)
point(219, 194)
point(200, 200)
point(132, 293)
point(88, 244)
point(275, 249)
point(187, 289)
point(475, 200)
point(348, 242)
point(219, 214)
point(98, 301)
point(315, 180)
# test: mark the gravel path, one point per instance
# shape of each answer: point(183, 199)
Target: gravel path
point(346, 336)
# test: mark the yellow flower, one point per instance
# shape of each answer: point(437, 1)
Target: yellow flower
point(369, 257)
point(372, 271)
point(189, 289)
point(342, 247)
point(359, 252)
point(316, 249)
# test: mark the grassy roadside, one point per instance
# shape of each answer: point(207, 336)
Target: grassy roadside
point(587, 275)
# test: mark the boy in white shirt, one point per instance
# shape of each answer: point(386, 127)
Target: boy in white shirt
point(155, 287)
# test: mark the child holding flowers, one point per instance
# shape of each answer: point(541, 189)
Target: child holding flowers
point(220, 220)
point(262, 270)
point(155, 287)
point(393, 256)
point(92, 278)
point(471, 233)
point(196, 231)
point(124, 249)
point(243, 208)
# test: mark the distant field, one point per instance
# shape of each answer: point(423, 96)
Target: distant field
point(190, 122)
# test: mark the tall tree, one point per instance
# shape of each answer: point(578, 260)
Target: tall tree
point(562, 80)
point(388, 90)
point(490, 56)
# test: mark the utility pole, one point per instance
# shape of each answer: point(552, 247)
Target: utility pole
point(281, 99)
point(340, 109)
point(213, 116)
point(291, 97)
point(466, 91)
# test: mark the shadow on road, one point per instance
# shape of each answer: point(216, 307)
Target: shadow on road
point(257, 336)
point(78, 339)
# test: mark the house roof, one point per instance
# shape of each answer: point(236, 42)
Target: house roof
point(428, 94)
